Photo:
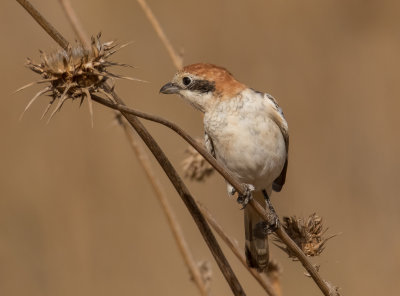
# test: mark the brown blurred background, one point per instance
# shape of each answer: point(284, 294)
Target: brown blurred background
point(77, 215)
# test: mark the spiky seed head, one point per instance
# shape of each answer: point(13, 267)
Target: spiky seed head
point(75, 73)
point(307, 233)
point(194, 166)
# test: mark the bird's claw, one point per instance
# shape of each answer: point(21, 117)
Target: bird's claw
point(273, 222)
point(247, 196)
point(265, 228)
point(231, 189)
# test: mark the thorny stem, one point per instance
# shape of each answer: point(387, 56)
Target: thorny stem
point(180, 186)
point(75, 23)
point(264, 282)
point(187, 198)
point(216, 165)
point(285, 238)
point(146, 165)
point(167, 208)
point(170, 171)
point(280, 232)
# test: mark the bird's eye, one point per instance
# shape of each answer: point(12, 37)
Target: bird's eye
point(186, 80)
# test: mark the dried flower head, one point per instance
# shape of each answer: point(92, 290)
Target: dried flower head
point(306, 233)
point(75, 73)
point(195, 167)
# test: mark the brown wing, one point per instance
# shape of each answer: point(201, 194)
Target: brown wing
point(209, 144)
point(281, 122)
point(280, 181)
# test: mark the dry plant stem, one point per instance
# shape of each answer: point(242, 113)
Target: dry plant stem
point(280, 232)
point(176, 59)
point(75, 23)
point(165, 164)
point(146, 165)
point(180, 186)
point(264, 282)
point(187, 198)
point(238, 186)
point(171, 218)
point(44, 23)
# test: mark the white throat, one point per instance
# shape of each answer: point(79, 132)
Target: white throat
point(201, 101)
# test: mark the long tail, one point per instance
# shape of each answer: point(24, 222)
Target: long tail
point(256, 248)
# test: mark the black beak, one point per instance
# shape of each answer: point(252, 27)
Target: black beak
point(170, 88)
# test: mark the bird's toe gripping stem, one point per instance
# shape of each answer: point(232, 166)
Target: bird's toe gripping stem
point(245, 198)
point(273, 222)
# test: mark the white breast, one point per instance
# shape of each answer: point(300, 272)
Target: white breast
point(246, 139)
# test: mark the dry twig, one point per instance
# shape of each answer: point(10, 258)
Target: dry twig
point(167, 167)
point(44, 23)
point(75, 23)
point(280, 232)
point(183, 191)
point(167, 208)
point(187, 199)
point(265, 283)
point(176, 59)
point(145, 163)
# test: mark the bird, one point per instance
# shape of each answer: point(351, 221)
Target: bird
point(246, 131)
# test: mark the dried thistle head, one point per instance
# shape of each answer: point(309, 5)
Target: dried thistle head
point(195, 167)
point(307, 233)
point(75, 73)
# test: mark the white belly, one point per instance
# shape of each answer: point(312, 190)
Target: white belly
point(249, 143)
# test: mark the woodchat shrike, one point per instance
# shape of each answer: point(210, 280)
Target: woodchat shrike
point(246, 131)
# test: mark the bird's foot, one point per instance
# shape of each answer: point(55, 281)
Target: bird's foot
point(231, 189)
point(247, 196)
point(273, 222)
point(263, 229)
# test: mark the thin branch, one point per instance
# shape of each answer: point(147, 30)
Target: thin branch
point(75, 23)
point(280, 232)
point(264, 282)
point(170, 171)
point(218, 167)
point(187, 198)
point(171, 218)
point(176, 59)
point(44, 23)
point(181, 187)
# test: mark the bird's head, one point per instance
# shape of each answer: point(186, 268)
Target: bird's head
point(203, 85)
